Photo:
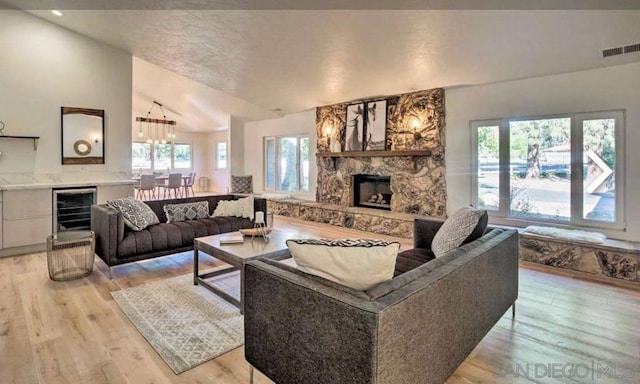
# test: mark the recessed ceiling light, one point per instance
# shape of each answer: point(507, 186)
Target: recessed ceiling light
point(56, 12)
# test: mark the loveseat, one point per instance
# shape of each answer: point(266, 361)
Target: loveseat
point(117, 244)
point(415, 328)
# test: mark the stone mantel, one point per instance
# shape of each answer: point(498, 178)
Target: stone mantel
point(422, 152)
point(353, 154)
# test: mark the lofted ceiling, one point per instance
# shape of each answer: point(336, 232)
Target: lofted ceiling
point(292, 60)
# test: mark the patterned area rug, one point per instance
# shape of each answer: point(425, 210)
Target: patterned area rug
point(186, 324)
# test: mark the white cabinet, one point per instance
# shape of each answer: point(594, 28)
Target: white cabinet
point(109, 192)
point(26, 217)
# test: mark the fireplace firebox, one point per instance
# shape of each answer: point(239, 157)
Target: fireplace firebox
point(372, 191)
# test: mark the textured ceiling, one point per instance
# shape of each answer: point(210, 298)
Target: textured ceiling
point(295, 60)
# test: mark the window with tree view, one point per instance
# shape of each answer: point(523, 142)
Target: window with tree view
point(161, 157)
point(559, 169)
point(286, 162)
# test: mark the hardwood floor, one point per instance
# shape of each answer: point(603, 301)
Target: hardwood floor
point(74, 332)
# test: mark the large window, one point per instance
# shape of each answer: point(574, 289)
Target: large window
point(286, 163)
point(561, 169)
point(161, 157)
point(221, 155)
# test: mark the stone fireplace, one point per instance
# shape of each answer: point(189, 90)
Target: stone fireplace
point(413, 158)
point(372, 191)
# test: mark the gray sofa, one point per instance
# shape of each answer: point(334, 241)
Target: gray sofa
point(416, 328)
point(117, 244)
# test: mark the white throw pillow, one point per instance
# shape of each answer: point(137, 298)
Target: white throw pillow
point(456, 229)
point(239, 208)
point(356, 263)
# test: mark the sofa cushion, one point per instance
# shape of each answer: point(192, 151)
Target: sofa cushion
point(464, 226)
point(356, 263)
point(238, 208)
point(411, 259)
point(186, 211)
point(241, 184)
point(136, 214)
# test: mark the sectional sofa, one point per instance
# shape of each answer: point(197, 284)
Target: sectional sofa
point(413, 329)
point(118, 244)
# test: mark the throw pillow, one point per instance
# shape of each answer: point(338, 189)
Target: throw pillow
point(241, 184)
point(137, 215)
point(239, 208)
point(186, 211)
point(356, 263)
point(460, 228)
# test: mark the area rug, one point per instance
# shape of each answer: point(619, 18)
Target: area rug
point(186, 324)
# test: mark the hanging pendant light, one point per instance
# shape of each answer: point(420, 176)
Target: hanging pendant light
point(169, 131)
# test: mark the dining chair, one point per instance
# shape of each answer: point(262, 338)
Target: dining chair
point(147, 183)
point(174, 183)
point(188, 184)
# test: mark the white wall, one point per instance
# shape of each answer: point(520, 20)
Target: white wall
point(594, 90)
point(45, 67)
point(236, 148)
point(293, 124)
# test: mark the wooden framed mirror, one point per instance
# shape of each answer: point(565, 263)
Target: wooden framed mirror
point(82, 135)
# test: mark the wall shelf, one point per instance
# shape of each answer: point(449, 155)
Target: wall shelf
point(420, 152)
point(34, 138)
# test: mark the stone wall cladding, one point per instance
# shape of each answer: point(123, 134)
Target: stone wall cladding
point(364, 219)
point(284, 208)
point(418, 182)
point(596, 259)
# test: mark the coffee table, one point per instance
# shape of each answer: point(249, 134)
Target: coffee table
point(236, 255)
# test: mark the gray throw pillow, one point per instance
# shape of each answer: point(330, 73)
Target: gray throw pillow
point(241, 184)
point(186, 211)
point(457, 228)
point(137, 215)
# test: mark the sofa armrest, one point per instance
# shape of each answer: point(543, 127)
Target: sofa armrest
point(108, 225)
point(289, 316)
point(424, 229)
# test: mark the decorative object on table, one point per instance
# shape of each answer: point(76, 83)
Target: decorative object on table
point(167, 127)
point(241, 184)
point(254, 231)
point(231, 239)
point(260, 227)
point(70, 255)
point(184, 323)
point(80, 127)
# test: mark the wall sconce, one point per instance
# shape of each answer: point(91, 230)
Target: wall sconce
point(96, 138)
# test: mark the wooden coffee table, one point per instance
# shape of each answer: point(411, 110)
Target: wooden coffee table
point(237, 255)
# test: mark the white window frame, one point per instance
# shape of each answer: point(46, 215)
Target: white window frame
point(153, 156)
point(173, 155)
point(502, 216)
point(276, 168)
point(217, 149)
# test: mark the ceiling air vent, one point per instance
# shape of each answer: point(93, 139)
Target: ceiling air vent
point(612, 52)
point(632, 48)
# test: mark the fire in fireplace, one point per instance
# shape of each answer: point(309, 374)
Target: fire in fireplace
point(372, 191)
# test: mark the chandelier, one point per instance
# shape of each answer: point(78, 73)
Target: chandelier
point(167, 127)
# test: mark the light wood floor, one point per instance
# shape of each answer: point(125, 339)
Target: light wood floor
point(73, 332)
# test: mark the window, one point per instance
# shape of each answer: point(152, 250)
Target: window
point(141, 156)
point(221, 155)
point(286, 163)
point(182, 156)
point(161, 157)
point(560, 169)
